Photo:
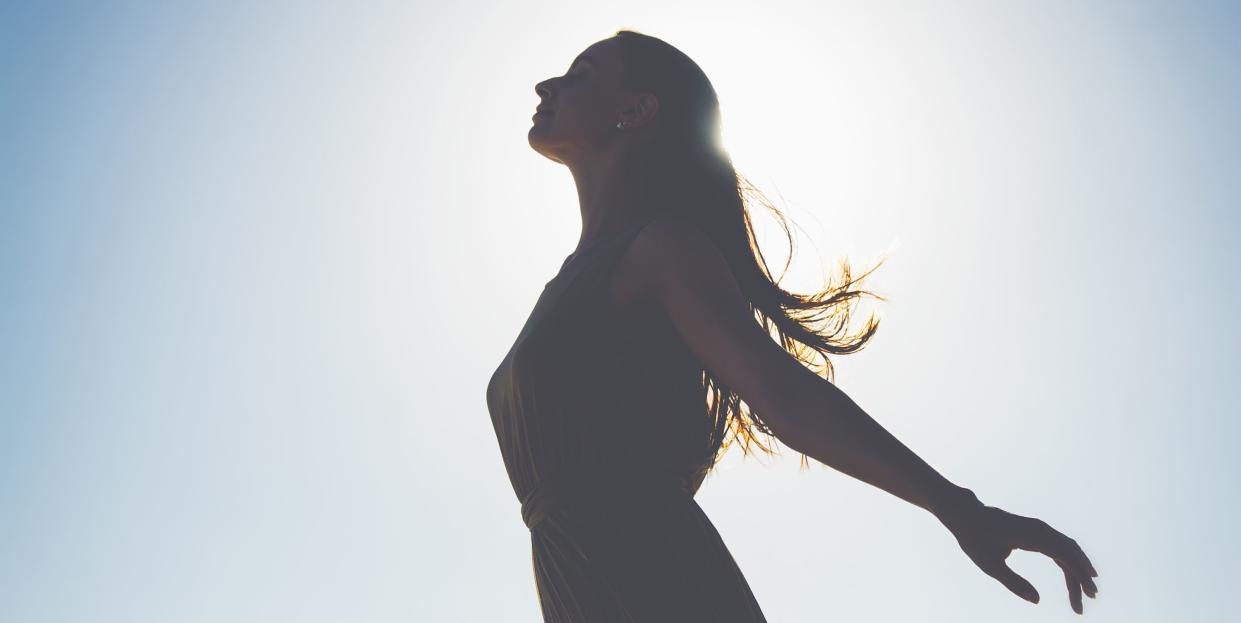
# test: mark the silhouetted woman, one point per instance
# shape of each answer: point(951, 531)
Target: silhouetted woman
point(653, 343)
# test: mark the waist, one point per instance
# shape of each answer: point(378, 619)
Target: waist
point(589, 489)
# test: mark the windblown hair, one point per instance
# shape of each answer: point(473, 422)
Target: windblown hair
point(685, 171)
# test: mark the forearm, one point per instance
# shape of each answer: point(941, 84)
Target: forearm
point(831, 428)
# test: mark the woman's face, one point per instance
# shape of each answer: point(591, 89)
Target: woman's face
point(583, 107)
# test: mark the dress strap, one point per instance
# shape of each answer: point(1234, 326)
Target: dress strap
point(600, 255)
point(621, 237)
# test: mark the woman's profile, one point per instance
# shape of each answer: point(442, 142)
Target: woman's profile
point(650, 352)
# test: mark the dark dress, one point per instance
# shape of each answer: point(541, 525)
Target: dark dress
point(603, 430)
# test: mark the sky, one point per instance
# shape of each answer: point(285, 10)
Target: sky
point(259, 262)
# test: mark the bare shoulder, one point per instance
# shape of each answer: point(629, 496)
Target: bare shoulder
point(666, 252)
point(679, 272)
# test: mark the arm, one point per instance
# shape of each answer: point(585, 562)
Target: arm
point(692, 283)
point(684, 272)
point(830, 427)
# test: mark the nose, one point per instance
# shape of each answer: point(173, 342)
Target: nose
point(543, 90)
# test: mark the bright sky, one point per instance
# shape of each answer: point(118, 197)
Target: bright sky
point(259, 263)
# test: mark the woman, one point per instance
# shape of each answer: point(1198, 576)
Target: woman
point(612, 405)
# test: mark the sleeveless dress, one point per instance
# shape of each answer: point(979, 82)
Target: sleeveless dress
point(602, 425)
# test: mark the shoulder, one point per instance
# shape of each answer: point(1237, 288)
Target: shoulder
point(672, 237)
point(665, 254)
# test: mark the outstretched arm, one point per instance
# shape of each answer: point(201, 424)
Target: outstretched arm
point(690, 279)
point(694, 286)
point(826, 424)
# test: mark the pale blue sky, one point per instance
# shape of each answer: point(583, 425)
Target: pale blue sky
point(258, 265)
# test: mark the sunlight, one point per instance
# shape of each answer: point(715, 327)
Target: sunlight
point(821, 149)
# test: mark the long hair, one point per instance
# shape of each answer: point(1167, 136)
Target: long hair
point(686, 172)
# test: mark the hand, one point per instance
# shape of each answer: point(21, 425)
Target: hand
point(988, 535)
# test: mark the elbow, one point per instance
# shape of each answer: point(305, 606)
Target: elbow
point(796, 409)
point(810, 408)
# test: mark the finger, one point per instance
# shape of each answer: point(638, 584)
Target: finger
point(1089, 586)
point(1065, 556)
point(1013, 582)
point(1075, 590)
point(1090, 566)
point(1082, 568)
point(1080, 561)
point(1047, 540)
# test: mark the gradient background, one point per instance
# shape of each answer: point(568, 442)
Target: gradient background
point(257, 265)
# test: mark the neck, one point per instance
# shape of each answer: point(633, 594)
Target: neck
point(609, 195)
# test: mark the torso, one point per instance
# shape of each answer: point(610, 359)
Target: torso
point(596, 364)
point(632, 288)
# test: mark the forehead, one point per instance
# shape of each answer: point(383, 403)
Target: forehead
point(601, 55)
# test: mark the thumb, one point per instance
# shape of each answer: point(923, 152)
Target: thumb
point(1015, 583)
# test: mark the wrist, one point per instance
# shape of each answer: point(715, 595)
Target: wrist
point(953, 500)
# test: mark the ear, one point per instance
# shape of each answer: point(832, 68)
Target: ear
point(641, 110)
